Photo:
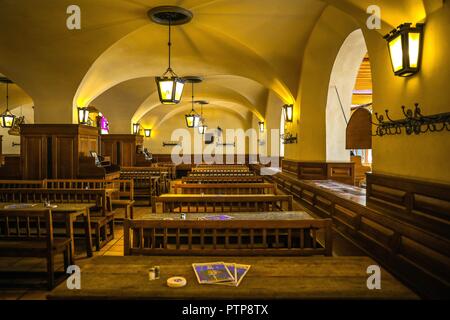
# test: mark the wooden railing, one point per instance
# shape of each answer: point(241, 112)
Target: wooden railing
point(218, 238)
point(236, 203)
point(226, 188)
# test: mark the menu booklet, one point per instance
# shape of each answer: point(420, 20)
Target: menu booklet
point(230, 274)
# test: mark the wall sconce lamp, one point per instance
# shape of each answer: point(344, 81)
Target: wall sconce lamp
point(148, 133)
point(288, 112)
point(83, 115)
point(405, 48)
point(136, 128)
point(261, 126)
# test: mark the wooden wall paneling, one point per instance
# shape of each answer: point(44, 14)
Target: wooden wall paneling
point(412, 251)
point(65, 157)
point(33, 151)
point(423, 203)
point(342, 172)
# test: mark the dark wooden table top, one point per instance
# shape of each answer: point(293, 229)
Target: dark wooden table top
point(285, 215)
point(107, 277)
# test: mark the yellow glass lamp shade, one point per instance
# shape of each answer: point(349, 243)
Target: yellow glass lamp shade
point(170, 89)
point(192, 119)
point(202, 128)
point(288, 113)
point(136, 128)
point(83, 115)
point(261, 126)
point(405, 49)
point(396, 51)
point(148, 133)
point(7, 119)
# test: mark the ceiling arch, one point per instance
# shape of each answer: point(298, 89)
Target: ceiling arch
point(156, 120)
point(207, 90)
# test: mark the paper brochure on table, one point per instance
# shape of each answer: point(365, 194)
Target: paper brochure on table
point(230, 274)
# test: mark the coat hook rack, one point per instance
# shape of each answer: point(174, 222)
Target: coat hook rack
point(289, 138)
point(413, 123)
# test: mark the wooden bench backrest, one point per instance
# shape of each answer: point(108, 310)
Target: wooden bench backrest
point(125, 188)
point(207, 179)
point(226, 188)
point(26, 225)
point(97, 196)
point(221, 174)
point(200, 169)
point(198, 203)
point(218, 238)
point(21, 184)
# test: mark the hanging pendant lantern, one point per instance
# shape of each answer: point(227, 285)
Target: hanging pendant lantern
point(170, 86)
point(7, 118)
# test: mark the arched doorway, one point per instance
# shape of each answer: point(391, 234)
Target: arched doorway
point(342, 87)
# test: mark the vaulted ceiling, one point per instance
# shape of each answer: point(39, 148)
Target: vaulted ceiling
point(244, 50)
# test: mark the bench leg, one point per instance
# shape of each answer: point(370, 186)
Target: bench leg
point(67, 258)
point(131, 212)
point(97, 237)
point(111, 227)
point(50, 271)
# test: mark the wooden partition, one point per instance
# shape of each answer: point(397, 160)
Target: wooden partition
point(10, 167)
point(54, 150)
point(316, 170)
point(121, 148)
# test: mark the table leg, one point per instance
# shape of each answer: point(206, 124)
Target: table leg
point(88, 234)
point(69, 233)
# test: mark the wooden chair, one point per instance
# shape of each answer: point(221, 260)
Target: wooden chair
point(21, 235)
point(221, 238)
point(231, 203)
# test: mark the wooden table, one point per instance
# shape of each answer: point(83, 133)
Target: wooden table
point(69, 213)
point(107, 277)
point(253, 216)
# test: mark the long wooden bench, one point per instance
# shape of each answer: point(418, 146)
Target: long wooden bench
point(120, 193)
point(220, 238)
point(207, 179)
point(218, 203)
point(216, 170)
point(21, 235)
point(102, 224)
point(161, 172)
point(221, 174)
point(225, 188)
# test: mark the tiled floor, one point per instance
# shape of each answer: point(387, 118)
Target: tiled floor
point(115, 248)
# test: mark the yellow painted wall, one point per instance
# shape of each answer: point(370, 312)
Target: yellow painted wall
point(226, 120)
point(426, 156)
